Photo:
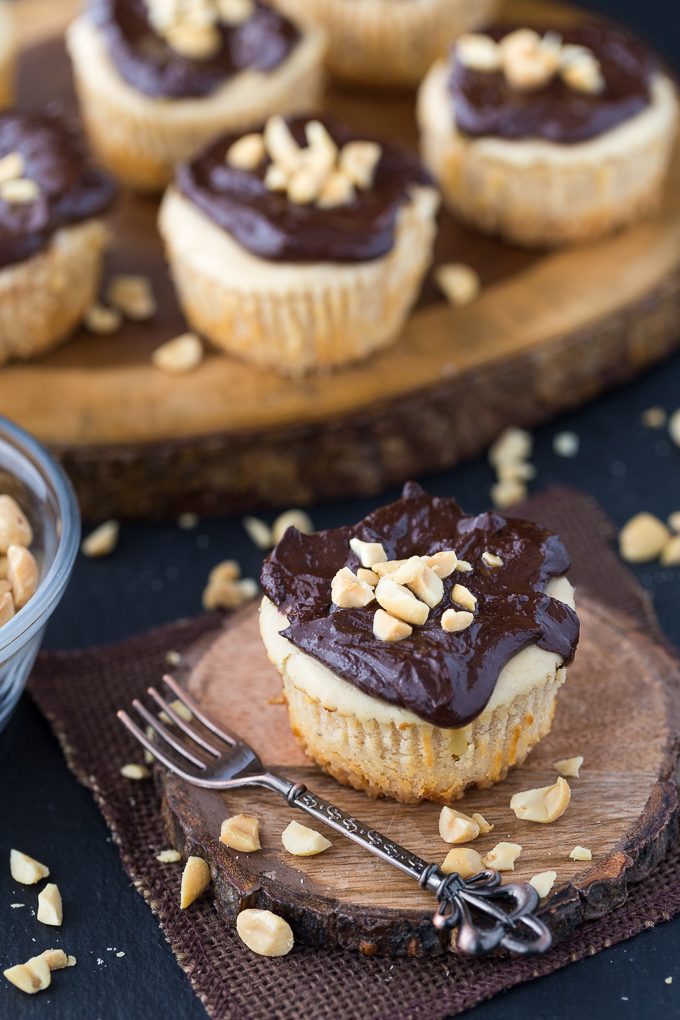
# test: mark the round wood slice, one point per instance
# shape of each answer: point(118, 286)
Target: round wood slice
point(618, 709)
point(549, 332)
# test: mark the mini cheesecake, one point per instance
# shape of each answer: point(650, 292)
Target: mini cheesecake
point(157, 78)
point(7, 55)
point(52, 236)
point(388, 44)
point(421, 650)
point(300, 245)
point(549, 139)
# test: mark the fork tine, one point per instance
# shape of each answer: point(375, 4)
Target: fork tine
point(152, 748)
point(167, 736)
point(224, 734)
point(182, 723)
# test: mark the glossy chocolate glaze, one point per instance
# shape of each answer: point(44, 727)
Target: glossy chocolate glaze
point(446, 679)
point(150, 65)
point(484, 104)
point(70, 189)
point(268, 225)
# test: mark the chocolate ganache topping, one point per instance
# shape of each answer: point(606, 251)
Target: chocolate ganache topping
point(486, 105)
point(147, 61)
point(445, 678)
point(267, 224)
point(69, 189)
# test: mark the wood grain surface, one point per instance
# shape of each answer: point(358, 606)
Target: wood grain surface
point(549, 332)
point(616, 709)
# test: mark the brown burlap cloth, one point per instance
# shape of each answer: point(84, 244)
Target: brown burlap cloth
point(78, 692)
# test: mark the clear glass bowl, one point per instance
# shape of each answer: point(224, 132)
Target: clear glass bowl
point(33, 477)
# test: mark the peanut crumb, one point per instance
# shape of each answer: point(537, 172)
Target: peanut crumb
point(654, 418)
point(195, 879)
point(259, 533)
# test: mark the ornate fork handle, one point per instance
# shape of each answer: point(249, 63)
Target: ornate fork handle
point(488, 915)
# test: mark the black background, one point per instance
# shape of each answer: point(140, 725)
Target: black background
point(157, 574)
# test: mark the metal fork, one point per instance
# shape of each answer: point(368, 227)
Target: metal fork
point(488, 915)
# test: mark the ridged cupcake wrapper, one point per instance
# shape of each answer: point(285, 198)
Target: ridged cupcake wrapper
point(43, 299)
point(141, 139)
point(380, 42)
point(544, 203)
point(421, 762)
point(340, 314)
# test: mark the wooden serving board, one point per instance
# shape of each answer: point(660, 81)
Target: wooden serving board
point(549, 332)
point(618, 709)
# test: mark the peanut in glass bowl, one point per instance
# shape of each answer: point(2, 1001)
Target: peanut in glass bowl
point(44, 493)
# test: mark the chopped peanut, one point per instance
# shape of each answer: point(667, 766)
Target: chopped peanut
point(456, 827)
point(168, 857)
point(180, 355)
point(400, 602)
point(134, 771)
point(50, 909)
point(507, 493)
point(459, 283)
point(512, 446)
point(264, 932)
point(570, 767)
point(462, 596)
point(247, 153)
point(581, 853)
point(543, 882)
point(259, 533)
point(102, 541)
point(31, 977)
point(193, 41)
point(26, 869)
point(464, 861)
point(368, 576)
point(56, 959)
point(369, 553)
point(21, 191)
point(358, 162)
point(301, 841)
point(22, 574)
point(291, 519)
point(389, 628)
point(544, 805)
point(14, 526)
point(102, 320)
point(241, 832)
point(484, 826)
point(195, 879)
point(503, 856)
point(443, 563)
point(478, 52)
point(7, 608)
point(234, 12)
point(348, 592)
point(491, 559)
point(454, 620)
point(643, 538)
point(424, 582)
point(670, 554)
point(133, 296)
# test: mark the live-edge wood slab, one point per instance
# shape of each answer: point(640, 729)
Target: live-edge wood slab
point(618, 709)
point(548, 332)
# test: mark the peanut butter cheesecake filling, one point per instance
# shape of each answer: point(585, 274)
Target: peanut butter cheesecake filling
point(422, 606)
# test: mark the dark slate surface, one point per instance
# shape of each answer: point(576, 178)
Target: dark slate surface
point(157, 575)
